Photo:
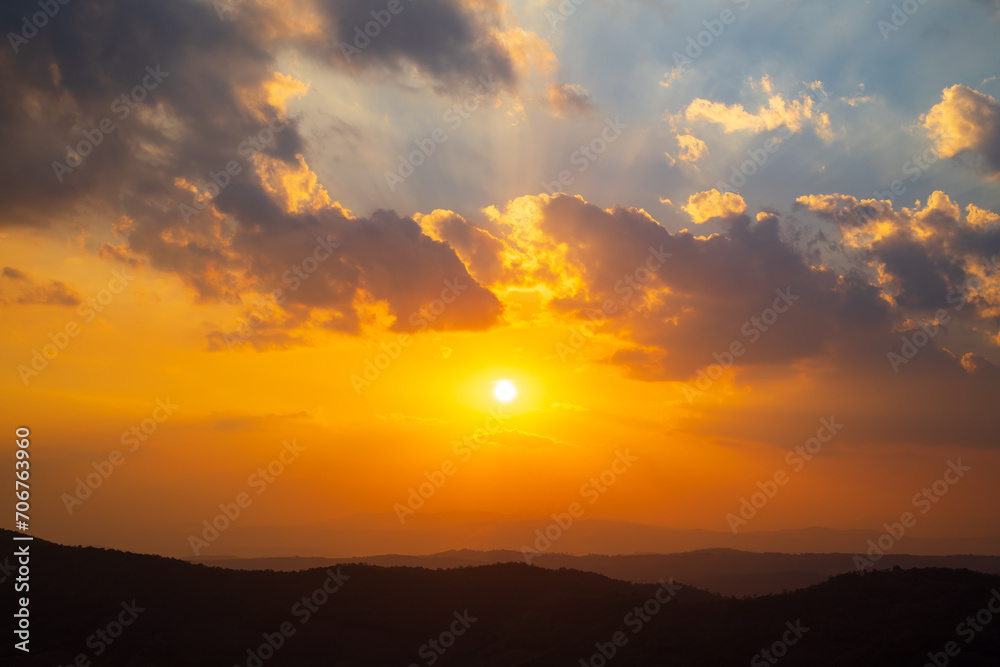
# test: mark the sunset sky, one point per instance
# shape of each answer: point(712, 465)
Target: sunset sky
point(228, 226)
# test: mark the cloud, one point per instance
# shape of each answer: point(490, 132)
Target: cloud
point(966, 123)
point(698, 301)
point(249, 423)
point(569, 100)
point(858, 98)
point(779, 112)
point(672, 75)
point(692, 148)
point(764, 82)
point(479, 250)
point(52, 293)
point(704, 206)
point(924, 256)
point(221, 102)
point(450, 41)
point(117, 253)
point(398, 418)
point(515, 437)
point(695, 301)
point(384, 259)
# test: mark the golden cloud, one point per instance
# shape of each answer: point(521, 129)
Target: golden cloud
point(966, 121)
point(778, 112)
point(692, 148)
point(704, 206)
point(568, 99)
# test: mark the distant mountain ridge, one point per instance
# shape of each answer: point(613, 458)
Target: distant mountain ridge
point(723, 571)
point(430, 533)
point(510, 615)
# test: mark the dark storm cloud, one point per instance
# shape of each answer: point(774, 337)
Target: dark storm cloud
point(191, 119)
point(385, 256)
point(448, 40)
point(698, 302)
point(929, 253)
point(924, 280)
point(72, 75)
point(713, 287)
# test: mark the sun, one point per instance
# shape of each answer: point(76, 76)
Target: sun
point(504, 391)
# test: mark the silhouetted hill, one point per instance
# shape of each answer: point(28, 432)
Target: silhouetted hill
point(524, 616)
point(724, 571)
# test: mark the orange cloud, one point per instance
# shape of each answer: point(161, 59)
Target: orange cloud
point(52, 293)
point(528, 52)
point(481, 252)
point(295, 186)
point(779, 112)
point(569, 99)
point(692, 148)
point(926, 256)
point(966, 122)
point(704, 206)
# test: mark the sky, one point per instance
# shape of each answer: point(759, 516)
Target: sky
point(728, 241)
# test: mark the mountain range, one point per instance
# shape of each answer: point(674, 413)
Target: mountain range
point(507, 614)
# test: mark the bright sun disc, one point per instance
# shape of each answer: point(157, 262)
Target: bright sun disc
point(504, 391)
